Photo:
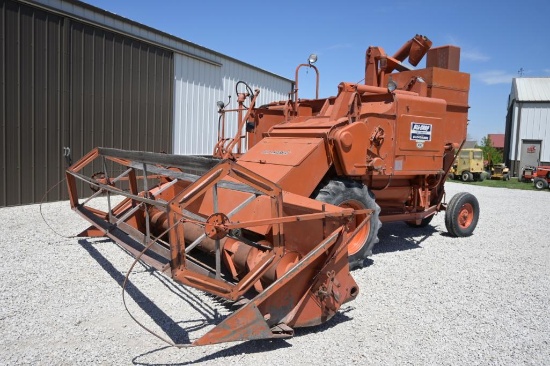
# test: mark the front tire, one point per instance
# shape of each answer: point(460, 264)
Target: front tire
point(354, 194)
point(462, 214)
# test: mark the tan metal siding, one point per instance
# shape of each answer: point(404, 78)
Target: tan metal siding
point(121, 93)
point(69, 84)
point(30, 64)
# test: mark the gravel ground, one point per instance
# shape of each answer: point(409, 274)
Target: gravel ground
point(426, 298)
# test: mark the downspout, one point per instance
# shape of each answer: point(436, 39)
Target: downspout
point(516, 150)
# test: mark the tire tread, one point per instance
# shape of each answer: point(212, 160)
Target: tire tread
point(339, 190)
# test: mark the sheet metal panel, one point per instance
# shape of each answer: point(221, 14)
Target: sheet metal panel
point(66, 84)
point(71, 81)
point(102, 18)
point(197, 88)
point(121, 95)
point(30, 69)
point(199, 85)
point(535, 125)
point(531, 89)
point(121, 92)
point(514, 138)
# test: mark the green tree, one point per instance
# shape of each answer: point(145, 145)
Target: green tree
point(492, 155)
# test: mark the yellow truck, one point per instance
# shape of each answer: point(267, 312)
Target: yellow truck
point(499, 171)
point(468, 166)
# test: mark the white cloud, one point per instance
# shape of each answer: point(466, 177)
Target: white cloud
point(495, 77)
point(473, 55)
point(466, 52)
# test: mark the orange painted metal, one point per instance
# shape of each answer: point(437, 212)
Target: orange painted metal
point(369, 132)
point(252, 211)
point(300, 283)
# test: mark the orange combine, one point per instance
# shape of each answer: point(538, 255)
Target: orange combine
point(277, 228)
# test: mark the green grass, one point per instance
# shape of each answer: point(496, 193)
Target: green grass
point(513, 183)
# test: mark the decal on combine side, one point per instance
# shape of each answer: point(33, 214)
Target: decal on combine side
point(275, 152)
point(421, 131)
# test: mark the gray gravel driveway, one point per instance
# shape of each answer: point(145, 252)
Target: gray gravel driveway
point(425, 298)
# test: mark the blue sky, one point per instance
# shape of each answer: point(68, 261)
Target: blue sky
point(497, 38)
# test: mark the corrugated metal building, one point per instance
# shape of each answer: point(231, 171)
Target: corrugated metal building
point(73, 76)
point(527, 135)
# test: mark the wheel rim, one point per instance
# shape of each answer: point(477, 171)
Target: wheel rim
point(465, 215)
point(539, 184)
point(360, 239)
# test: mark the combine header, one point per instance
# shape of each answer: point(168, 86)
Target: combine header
point(278, 227)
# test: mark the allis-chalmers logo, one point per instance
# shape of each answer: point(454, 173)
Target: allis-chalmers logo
point(531, 149)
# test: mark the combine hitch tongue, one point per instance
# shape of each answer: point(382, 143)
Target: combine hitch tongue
point(290, 250)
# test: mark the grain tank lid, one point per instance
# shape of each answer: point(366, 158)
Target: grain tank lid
point(445, 57)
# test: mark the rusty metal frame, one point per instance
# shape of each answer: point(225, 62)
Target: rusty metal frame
point(174, 257)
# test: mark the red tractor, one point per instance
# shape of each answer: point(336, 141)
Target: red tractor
point(528, 173)
point(542, 177)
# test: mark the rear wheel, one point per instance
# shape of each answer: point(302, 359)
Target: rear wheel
point(462, 214)
point(540, 183)
point(353, 194)
point(466, 176)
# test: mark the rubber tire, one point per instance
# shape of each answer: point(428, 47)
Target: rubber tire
point(466, 176)
point(481, 177)
point(425, 222)
point(540, 183)
point(452, 176)
point(339, 191)
point(456, 208)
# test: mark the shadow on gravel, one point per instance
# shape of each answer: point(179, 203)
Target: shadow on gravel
point(178, 332)
point(338, 318)
point(397, 236)
point(393, 237)
point(251, 347)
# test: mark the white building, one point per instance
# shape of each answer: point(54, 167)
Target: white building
point(527, 135)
